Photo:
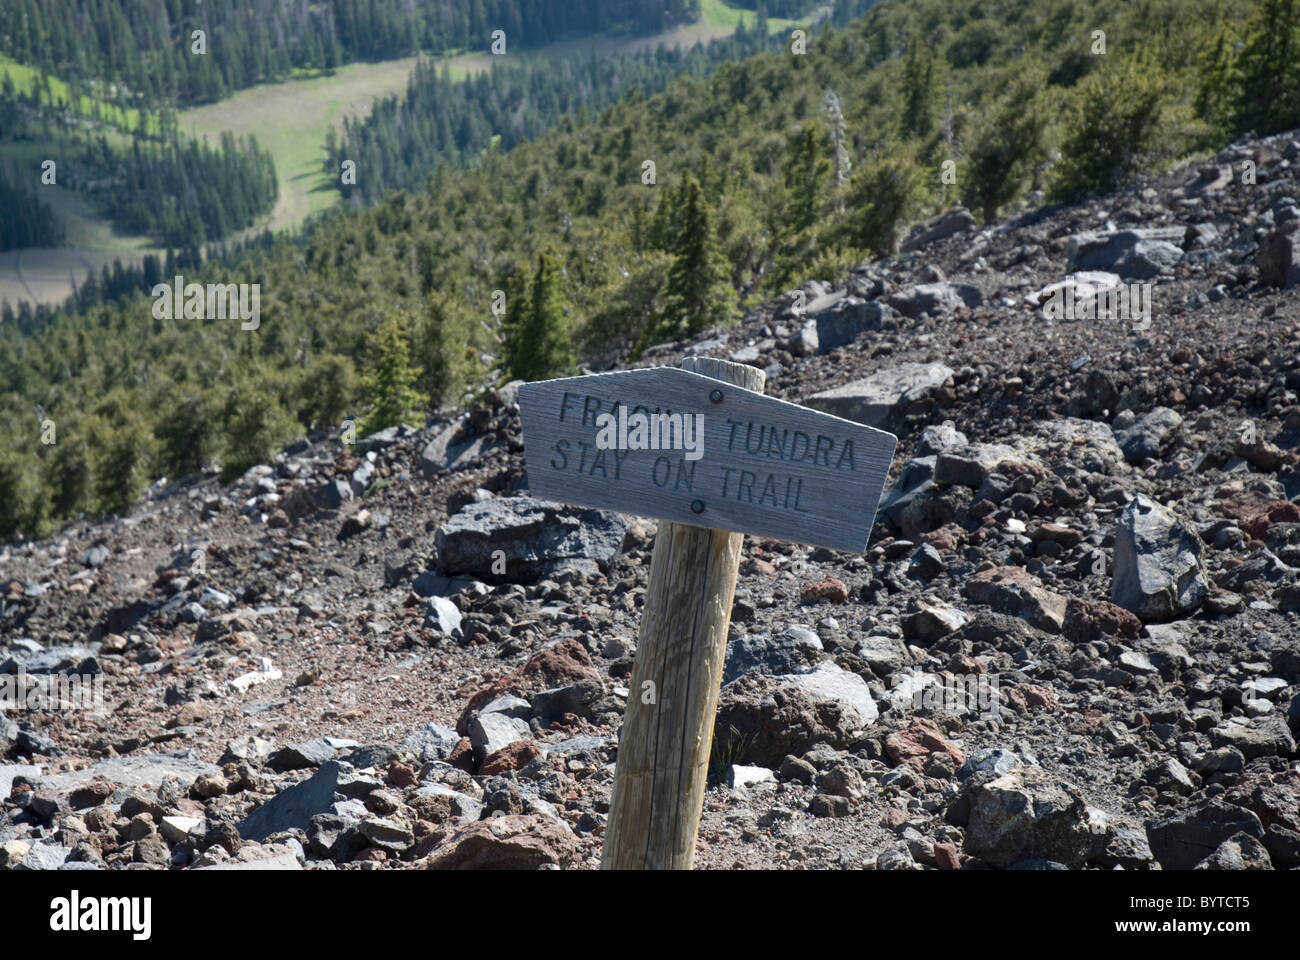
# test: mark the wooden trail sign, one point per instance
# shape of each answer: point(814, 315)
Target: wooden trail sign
point(753, 464)
point(825, 493)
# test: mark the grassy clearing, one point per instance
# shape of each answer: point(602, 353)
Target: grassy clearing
point(290, 119)
point(719, 13)
point(25, 78)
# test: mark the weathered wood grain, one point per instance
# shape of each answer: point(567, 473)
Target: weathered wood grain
point(663, 753)
point(769, 467)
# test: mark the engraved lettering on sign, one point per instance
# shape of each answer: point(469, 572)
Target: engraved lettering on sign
point(668, 443)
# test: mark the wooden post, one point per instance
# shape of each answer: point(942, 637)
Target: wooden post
point(663, 753)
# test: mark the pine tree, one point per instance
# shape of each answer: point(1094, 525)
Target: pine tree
point(1216, 93)
point(444, 349)
point(1110, 126)
point(328, 390)
point(68, 474)
point(390, 384)
point(121, 469)
point(917, 118)
point(19, 491)
point(806, 175)
point(884, 196)
point(254, 425)
point(541, 340)
point(1269, 95)
point(1006, 149)
point(698, 293)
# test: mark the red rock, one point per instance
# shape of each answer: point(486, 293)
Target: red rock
point(188, 715)
point(516, 841)
point(1038, 696)
point(831, 589)
point(1087, 621)
point(371, 853)
point(462, 755)
point(945, 856)
point(921, 738)
point(893, 818)
point(946, 538)
point(1273, 796)
point(1242, 499)
point(565, 662)
point(757, 565)
point(402, 775)
point(1276, 511)
point(510, 757)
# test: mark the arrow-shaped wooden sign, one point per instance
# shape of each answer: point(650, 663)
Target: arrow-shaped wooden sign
point(675, 445)
point(700, 447)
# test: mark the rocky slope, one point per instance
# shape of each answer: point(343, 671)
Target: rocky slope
point(1073, 641)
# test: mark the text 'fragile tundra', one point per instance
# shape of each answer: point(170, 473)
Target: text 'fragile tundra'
point(676, 445)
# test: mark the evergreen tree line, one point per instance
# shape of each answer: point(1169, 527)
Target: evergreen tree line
point(440, 120)
point(770, 171)
point(26, 220)
point(789, 9)
point(143, 48)
point(181, 192)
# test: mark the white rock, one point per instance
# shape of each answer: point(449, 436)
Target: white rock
point(832, 682)
point(256, 678)
point(742, 776)
point(177, 829)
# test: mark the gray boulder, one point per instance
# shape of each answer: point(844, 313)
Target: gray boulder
point(914, 485)
point(947, 224)
point(1134, 254)
point(1159, 563)
point(491, 732)
point(443, 615)
point(310, 753)
point(334, 493)
point(848, 319)
point(1146, 436)
point(1188, 837)
point(883, 399)
point(936, 298)
point(361, 477)
point(131, 772)
point(1278, 256)
point(884, 655)
point(536, 538)
point(293, 808)
point(804, 341)
point(431, 741)
point(1029, 814)
point(831, 683)
point(761, 720)
point(453, 447)
point(969, 466)
point(45, 856)
point(791, 650)
point(938, 437)
point(1259, 737)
